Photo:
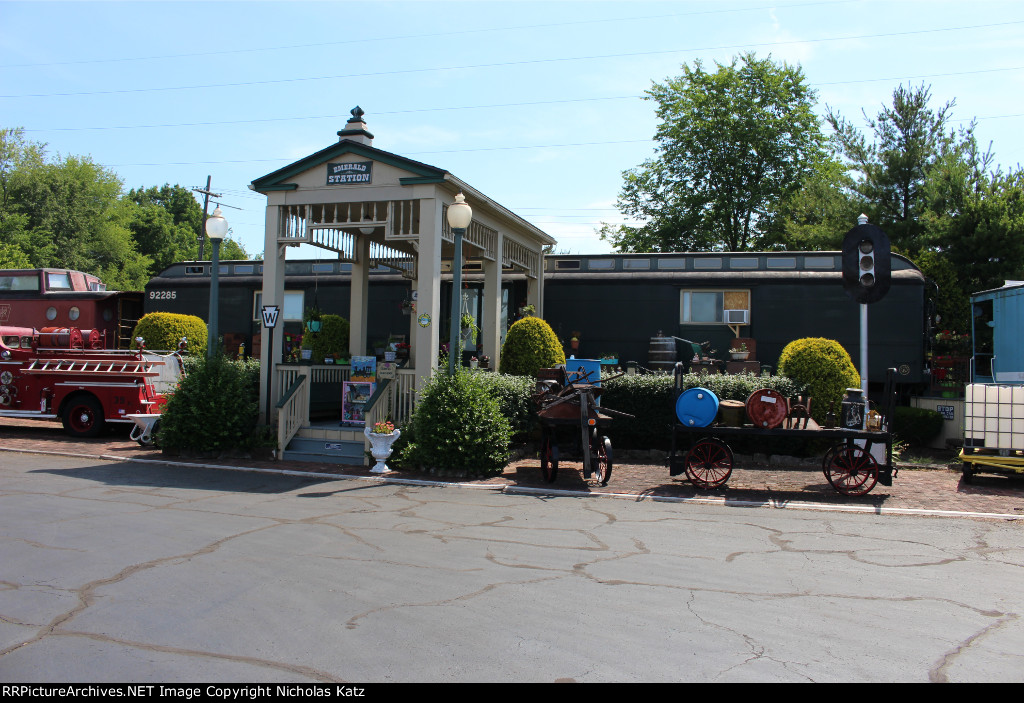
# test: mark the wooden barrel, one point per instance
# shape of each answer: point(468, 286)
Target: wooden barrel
point(697, 407)
point(732, 412)
point(662, 354)
point(767, 408)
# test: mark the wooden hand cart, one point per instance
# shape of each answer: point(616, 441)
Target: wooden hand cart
point(567, 402)
point(857, 460)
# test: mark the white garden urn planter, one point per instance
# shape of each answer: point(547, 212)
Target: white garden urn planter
point(380, 448)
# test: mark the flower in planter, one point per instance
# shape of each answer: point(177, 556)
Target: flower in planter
point(383, 427)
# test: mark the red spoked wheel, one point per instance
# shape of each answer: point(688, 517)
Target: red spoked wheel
point(602, 460)
point(852, 471)
point(548, 459)
point(709, 463)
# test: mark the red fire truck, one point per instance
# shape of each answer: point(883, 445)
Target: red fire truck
point(63, 373)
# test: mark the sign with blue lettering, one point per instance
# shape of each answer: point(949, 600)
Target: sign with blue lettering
point(349, 172)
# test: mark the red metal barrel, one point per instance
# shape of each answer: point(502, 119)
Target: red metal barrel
point(767, 408)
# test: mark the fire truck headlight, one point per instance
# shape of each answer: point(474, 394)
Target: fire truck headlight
point(5, 355)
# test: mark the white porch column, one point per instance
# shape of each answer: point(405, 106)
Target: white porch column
point(426, 339)
point(491, 307)
point(535, 293)
point(359, 298)
point(273, 294)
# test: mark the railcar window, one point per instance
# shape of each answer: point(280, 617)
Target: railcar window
point(19, 282)
point(782, 262)
point(58, 281)
point(194, 270)
point(636, 264)
point(601, 265)
point(701, 306)
point(746, 262)
point(51, 313)
point(820, 262)
point(673, 264)
point(567, 265)
point(708, 264)
point(323, 268)
point(73, 313)
point(291, 309)
point(244, 269)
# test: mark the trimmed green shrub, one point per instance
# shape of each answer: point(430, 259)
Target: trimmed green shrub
point(916, 426)
point(530, 345)
point(163, 331)
point(515, 398)
point(823, 368)
point(215, 407)
point(330, 340)
point(458, 427)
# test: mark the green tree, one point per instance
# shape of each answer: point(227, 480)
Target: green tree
point(166, 224)
point(733, 144)
point(891, 171)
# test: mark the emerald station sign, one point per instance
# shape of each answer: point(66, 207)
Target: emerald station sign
point(349, 172)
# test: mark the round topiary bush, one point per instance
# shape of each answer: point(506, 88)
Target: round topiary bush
point(459, 427)
point(163, 331)
point(823, 368)
point(530, 345)
point(330, 340)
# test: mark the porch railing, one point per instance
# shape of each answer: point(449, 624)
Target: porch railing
point(292, 410)
point(395, 401)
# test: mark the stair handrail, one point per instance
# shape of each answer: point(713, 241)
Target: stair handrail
point(370, 411)
point(292, 410)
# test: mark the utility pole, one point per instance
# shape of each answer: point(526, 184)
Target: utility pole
point(207, 194)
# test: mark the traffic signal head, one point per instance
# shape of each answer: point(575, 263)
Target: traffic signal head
point(866, 263)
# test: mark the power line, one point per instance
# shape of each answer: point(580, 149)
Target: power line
point(501, 64)
point(431, 35)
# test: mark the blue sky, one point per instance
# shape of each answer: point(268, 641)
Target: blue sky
point(538, 105)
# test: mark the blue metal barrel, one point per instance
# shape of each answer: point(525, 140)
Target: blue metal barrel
point(697, 407)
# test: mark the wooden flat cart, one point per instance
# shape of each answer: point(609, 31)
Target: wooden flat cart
point(854, 463)
point(568, 407)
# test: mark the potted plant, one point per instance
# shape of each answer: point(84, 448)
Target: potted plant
point(739, 353)
point(311, 317)
point(382, 435)
point(485, 361)
point(467, 323)
point(474, 362)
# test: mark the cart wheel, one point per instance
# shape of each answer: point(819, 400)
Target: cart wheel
point(852, 471)
point(968, 472)
point(548, 460)
point(602, 460)
point(826, 462)
point(709, 463)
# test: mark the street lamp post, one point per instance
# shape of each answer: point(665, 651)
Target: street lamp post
point(216, 228)
point(459, 216)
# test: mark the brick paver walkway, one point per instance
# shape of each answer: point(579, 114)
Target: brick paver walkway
point(938, 489)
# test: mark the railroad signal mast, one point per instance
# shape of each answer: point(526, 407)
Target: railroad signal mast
point(867, 274)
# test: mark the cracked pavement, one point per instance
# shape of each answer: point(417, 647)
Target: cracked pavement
point(117, 571)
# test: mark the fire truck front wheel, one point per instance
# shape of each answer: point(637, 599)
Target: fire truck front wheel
point(83, 416)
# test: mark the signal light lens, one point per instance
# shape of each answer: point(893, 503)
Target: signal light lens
point(867, 280)
point(865, 246)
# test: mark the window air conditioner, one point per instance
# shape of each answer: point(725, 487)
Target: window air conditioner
point(737, 317)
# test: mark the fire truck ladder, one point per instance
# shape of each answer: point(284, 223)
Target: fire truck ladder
point(92, 367)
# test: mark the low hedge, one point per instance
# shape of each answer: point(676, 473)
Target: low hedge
point(916, 426)
point(651, 398)
point(163, 331)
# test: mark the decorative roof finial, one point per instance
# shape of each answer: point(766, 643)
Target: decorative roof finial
point(355, 128)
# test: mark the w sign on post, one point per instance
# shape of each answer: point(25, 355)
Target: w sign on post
point(270, 316)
